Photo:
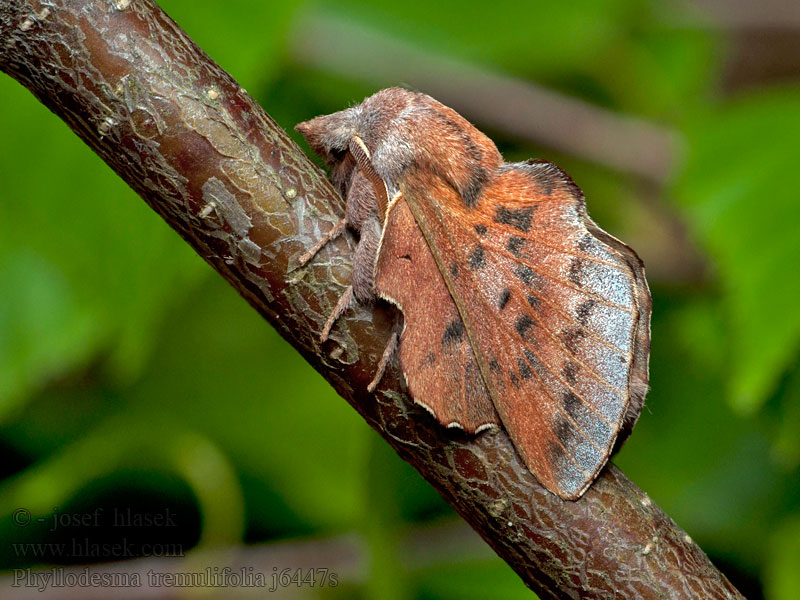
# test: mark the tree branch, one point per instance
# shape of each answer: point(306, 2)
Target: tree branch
point(183, 134)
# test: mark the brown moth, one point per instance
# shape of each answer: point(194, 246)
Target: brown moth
point(518, 310)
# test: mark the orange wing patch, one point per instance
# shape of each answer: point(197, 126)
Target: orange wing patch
point(435, 353)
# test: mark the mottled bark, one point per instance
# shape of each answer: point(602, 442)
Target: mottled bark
point(183, 134)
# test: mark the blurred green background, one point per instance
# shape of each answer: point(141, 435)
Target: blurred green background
point(133, 378)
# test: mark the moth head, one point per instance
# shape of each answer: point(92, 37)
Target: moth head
point(329, 135)
point(400, 130)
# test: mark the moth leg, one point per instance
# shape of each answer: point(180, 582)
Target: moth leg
point(337, 230)
point(346, 301)
point(363, 278)
point(388, 354)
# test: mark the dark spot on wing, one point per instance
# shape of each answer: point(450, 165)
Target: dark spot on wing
point(514, 379)
point(586, 243)
point(572, 337)
point(454, 270)
point(527, 276)
point(504, 298)
point(453, 334)
point(584, 310)
point(430, 358)
point(572, 405)
point(570, 372)
point(495, 366)
point(536, 363)
point(519, 218)
point(524, 369)
point(515, 244)
point(534, 301)
point(524, 322)
point(556, 454)
point(480, 230)
point(576, 271)
point(474, 187)
point(565, 432)
point(476, 258)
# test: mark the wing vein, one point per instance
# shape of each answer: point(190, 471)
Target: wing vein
point(565, 251)
point(591, 333)
point(568, 386)
point(564, 383)
point(566, 283)
point(591, 370)
point(561, 409)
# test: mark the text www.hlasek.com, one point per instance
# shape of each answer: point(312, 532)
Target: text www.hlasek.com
point(85, 548)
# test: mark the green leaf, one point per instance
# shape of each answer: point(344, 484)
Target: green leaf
point(43, 329)
point(519, 38)
point(786, 441)
point(245, 37)
point(782, 580)
point(740, 198)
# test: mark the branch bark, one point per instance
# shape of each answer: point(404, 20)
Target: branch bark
point(191, 142)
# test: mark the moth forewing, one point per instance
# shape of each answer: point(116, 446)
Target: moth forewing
point(565, 451)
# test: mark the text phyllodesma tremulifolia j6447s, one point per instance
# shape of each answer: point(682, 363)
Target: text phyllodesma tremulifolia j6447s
point(518, 310)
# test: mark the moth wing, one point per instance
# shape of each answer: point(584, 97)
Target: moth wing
point(435, 355)
point(555, 309)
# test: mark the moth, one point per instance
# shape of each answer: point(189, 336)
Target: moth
point(518, 310)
